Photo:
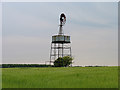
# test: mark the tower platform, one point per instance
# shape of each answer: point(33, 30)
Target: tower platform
point(60, 39)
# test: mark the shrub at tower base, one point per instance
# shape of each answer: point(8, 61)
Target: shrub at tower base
point(63, 61)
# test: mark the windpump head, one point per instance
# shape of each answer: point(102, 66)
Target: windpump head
point(62, 19)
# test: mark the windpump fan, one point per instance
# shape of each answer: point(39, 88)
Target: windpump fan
point(62, 19)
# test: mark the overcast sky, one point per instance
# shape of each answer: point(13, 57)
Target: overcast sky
point(28, 30)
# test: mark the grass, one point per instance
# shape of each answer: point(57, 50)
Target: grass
point(69, 77)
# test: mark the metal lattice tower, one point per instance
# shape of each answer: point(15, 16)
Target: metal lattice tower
point(60, 45)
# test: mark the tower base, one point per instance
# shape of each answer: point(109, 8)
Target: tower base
point(59, 50)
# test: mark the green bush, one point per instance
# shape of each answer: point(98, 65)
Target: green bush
point(63, 62)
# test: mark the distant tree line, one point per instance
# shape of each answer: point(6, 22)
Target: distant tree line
point(24, 65)
point(35, 65)
point(60, 62)
point(94, 66)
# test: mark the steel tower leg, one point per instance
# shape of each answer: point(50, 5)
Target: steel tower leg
point(54, 51)
point(50, 53)
point(62, 50)
point(70, 54)
point(58, 50)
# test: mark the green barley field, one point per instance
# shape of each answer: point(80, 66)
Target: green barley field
point(62, 77)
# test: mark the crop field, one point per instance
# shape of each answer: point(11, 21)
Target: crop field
point(61, 77)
